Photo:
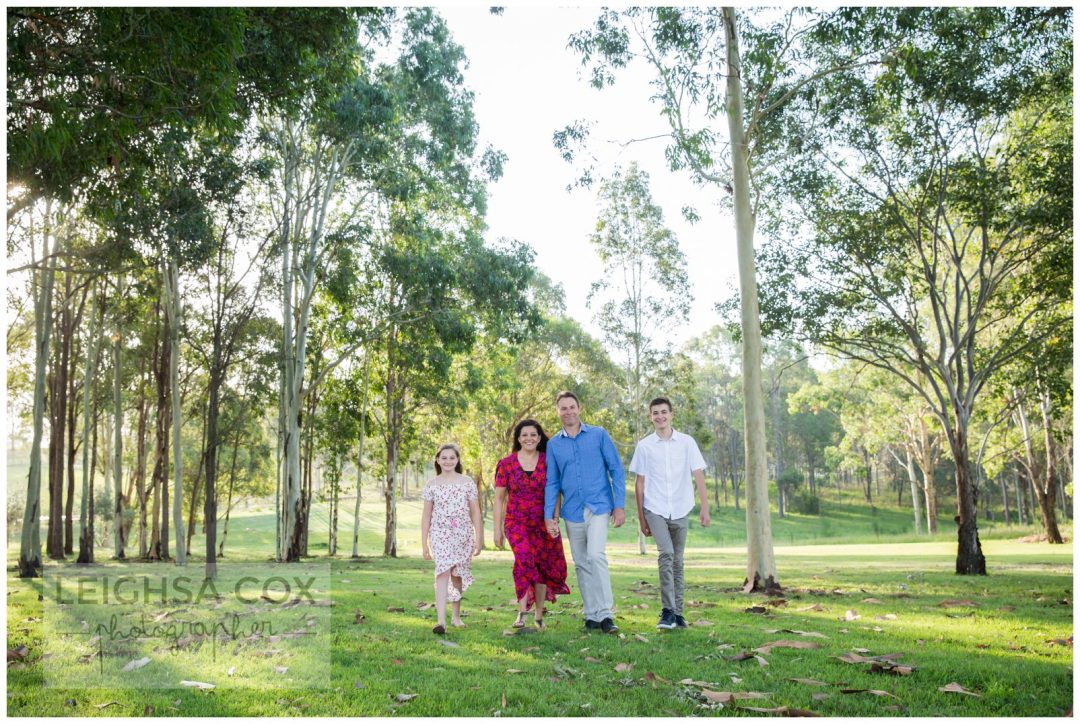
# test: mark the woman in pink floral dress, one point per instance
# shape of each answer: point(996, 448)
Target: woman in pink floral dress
point(539, 563)
point(450, 529)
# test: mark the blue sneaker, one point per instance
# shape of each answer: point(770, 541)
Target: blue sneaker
point(667, 619)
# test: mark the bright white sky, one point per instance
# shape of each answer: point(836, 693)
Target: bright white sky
point(529, 85)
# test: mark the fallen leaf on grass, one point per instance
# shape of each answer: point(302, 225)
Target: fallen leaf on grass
point(776, 602)
point(956, 602)
point(17, 654)
point(887, 667)
point(809, 682)
point(395, 609)
point(623, 667)
point(396, 662)
point(231, 671)
point(782, 710)
point(449, 644)
point(149, 710)
point(1061, 642)
point(741, 656)
point(641, 638)
point(870, 600)
point(850, 615)
point(853, 658)
point(1007, 609)
point(510, 632)
point(515, 671)
point(107, 704)
point(591, 660)
point(819, 697)
point(703, 622)
point(761, 661)
point(136, 664)
point(530, 649)
point(691, 682)
point(280, 669)
point(955, 688)
point(70, 702)
point(786, 644)
point(725, 697)
point(402, 698)
point(650, 676)
point(424, 606)
point(198, 684)
point(756, 609)
point(875, 692)
point(359, 616)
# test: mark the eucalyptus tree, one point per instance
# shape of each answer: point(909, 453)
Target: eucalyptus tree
point(920, 237)
point(700, 80)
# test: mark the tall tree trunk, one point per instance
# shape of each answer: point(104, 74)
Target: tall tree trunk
point(969, 555)
point(761, 564)
point(118, 421)
point(173, 314)
point(914, 480)
point(197, 486)
point(140, 462)
point(30, 539)
point(86, 510)
point(228, 503)
point(1004, 498)
point(210, 495)
point(1047, 492)
point(58, 403)
point(778, 445)
point(360, 460)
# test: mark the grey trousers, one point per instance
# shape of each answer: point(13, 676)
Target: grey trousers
point(670, 537)
point(587, 542)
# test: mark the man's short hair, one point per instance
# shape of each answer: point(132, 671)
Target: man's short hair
point(661, 401)
point(566, 393)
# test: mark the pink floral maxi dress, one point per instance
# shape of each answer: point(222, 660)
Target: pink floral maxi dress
point(451, 535)
point(538, 558)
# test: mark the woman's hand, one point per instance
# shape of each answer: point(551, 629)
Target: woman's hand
point(427, 553)
point(476, 549)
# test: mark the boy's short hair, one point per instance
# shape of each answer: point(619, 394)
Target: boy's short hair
point(661, 401)
point(564, 394)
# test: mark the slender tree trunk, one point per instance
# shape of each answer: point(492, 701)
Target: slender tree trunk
point(761, 565)
point(1047, 492)
point(914, 480)
point(197, 487)
point(778, 445)
point(140, 463)
point(173, 313)
point(969, 555)
point(228, 504)
point(118, 440)
point(86, 510)
point(360, 461)
point(210, 504)
point(30, 539)
point(1004, 497)
point(58, 403)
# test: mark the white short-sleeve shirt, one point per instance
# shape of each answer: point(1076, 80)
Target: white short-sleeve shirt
point(667, 466)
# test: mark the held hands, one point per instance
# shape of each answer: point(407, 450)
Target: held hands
point(552, 526)
point(618, 517)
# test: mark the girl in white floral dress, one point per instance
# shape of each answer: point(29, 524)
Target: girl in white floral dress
point(450, 528)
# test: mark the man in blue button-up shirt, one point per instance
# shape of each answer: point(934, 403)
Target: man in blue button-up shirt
point(583, 465)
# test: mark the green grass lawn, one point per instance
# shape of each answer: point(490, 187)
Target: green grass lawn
point(1000, 644)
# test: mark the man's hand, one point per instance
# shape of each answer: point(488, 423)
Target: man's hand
point(552, 526)
point(499, 539)
point(619, 517)
point(644, 526)
point(705, 520)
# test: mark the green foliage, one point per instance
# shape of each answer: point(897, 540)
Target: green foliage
point(805, 502)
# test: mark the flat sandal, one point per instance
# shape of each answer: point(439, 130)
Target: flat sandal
point(520, 622)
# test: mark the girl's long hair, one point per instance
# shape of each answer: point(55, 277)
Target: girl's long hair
point(542, 447)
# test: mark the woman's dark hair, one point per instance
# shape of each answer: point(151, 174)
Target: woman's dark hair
point(448, 446)
point(542, 447)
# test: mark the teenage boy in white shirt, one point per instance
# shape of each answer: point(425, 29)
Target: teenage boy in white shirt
point(665, 462)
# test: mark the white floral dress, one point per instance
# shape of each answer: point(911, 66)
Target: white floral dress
point(451, 535)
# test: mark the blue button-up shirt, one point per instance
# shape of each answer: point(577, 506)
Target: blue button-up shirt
point(587, 470)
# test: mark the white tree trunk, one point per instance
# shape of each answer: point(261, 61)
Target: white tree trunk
point(173, 311)
point(86, 546)
point(30, 540)
point(915, 492)
point(118, 423)
point(760, 565)
point(360, 463)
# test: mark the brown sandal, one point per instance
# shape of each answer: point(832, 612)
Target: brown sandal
point(520, 622)
point(438, 629)
point(540, 626)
